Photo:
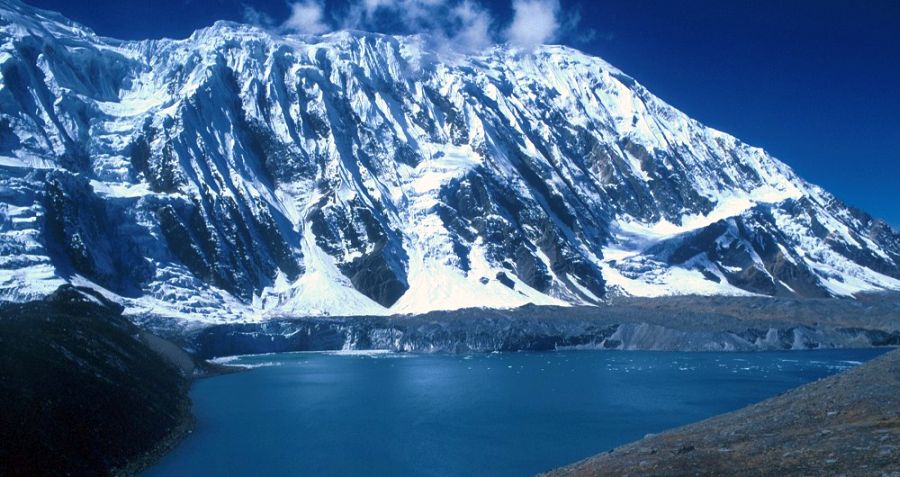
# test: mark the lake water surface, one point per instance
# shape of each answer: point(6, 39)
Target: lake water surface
point(506, 414)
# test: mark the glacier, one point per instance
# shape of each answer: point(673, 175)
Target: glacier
point(241, 175)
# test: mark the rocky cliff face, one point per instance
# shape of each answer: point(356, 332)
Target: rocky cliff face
point(240, 174)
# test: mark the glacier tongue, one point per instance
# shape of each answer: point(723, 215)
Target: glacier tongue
point(241, 175)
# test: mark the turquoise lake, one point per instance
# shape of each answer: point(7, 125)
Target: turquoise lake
point(501, 414)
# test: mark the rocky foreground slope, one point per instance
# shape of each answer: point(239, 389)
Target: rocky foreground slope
point(83, 391)
point(847, 424)
point(241, 175)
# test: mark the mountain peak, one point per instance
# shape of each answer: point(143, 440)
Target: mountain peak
point(242, 174)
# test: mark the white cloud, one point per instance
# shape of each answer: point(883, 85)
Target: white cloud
point(370, 6)
point(535, 22)
point(363, 14)
point(256, 17)
point(473, 29)
point(413, 14)
point(307, 17)
point(460, 25)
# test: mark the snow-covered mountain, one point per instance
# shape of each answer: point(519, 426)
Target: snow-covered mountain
point(238, 174)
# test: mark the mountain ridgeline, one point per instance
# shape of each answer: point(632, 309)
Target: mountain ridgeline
point(238, 173)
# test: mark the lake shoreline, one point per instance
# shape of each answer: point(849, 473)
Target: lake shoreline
point(185, 426)
point(187, 422)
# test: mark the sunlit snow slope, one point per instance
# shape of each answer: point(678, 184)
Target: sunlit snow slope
point(242, 175)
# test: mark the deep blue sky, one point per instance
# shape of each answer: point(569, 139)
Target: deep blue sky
point(815, 82)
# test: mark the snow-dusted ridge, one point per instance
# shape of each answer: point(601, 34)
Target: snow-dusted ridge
point(241, 175)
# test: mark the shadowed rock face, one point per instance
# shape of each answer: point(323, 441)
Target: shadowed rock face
point(846, 424)
point(745, 252)
point(83, 391)
point(372, 258)
point(84, 235)
point(238, 172)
